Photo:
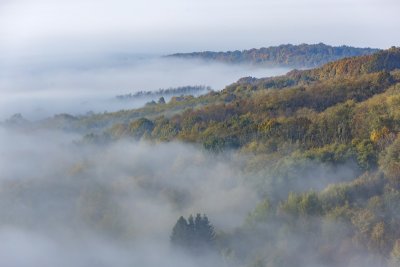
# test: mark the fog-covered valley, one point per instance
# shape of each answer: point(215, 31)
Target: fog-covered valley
point(279, 171)
point(120, 188)
point(39, 87)
point(66, 204)
point(207, 133)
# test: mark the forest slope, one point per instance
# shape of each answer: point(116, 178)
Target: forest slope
point(296, 56)
point(321, 150)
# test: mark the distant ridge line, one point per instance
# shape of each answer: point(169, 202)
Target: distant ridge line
point(286, 55)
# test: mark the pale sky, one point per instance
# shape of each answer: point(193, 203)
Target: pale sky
point(161, 26)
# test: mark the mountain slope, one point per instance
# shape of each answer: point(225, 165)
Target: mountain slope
point(353, 67)
point(296, 56)
point(320, 148)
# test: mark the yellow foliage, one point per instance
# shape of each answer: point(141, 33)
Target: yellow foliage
point(268, 125)
point(376, 135)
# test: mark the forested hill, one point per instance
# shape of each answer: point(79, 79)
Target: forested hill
point(385, 60)
point(294, 56)
point(321, 148)
point(356, 78)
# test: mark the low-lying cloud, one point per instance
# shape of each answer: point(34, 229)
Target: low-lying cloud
point(68, 203)
point(38, 88)
point(65, 204)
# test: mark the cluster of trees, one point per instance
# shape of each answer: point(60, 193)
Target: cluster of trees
point(177, 91)
point(312, 117)
point(302, 55)
point(195, 235)
point(347, 224)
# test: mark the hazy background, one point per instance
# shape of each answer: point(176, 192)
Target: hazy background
point(74, 56)
point(76, 86)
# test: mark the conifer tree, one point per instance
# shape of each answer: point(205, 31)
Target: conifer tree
point(180, 233)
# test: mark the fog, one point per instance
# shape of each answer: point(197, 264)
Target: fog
point(41, 87)
point(74, 56)
point(65, 204)
point(68, 203)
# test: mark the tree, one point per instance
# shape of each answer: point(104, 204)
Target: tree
point(195, 235)
point(140, 127)
point(204, 232)
point(161, 100)
point(180, 233)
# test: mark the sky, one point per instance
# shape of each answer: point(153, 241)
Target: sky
point(158, 26)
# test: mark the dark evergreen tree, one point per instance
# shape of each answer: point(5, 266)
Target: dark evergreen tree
point(206, 231)
point(161, 100)
point(191, 232)
point(180, 233)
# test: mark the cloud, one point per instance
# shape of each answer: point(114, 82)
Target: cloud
point(66, 205)
point(41, 87)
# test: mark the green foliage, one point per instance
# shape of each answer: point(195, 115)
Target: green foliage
point(303, 55)
point(390, 162)
point(307, 204)
point(261, 213)
point(321, 147)
point(335, 153)
point(139, 128)
point(385, 60)
point(366, 154)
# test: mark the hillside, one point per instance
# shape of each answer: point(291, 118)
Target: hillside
point(320, 148)
point(294, 56)
point(316, 89)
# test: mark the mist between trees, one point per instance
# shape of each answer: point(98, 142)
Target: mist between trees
point(306, 175)
point(118, 204)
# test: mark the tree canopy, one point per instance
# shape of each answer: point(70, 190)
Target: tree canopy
point(195, 235)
